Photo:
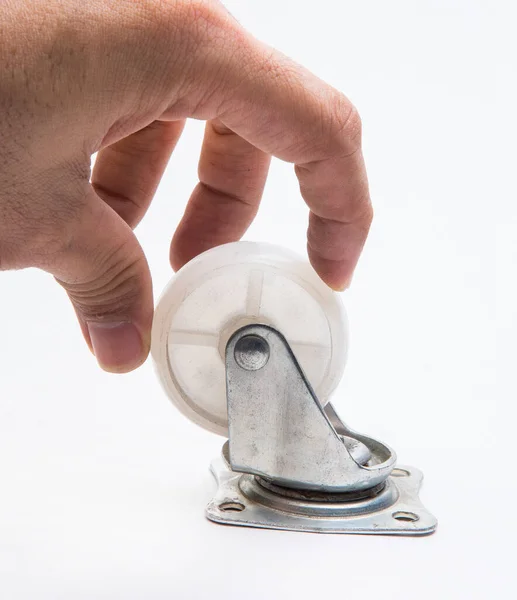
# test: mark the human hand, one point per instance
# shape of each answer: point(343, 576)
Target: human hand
point(119, 77)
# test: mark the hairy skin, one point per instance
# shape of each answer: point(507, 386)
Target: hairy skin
point(119, 77)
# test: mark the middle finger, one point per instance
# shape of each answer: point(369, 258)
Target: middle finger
point(232, 175)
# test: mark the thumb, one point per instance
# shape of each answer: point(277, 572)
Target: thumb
point(106, 276)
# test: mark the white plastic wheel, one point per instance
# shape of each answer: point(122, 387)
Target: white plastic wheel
point(229, 287)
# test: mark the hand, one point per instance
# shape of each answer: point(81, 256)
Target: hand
point(119, 77)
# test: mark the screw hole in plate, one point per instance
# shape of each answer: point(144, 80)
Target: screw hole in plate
point(231, 506)
point(400, 473)
point(405, 516)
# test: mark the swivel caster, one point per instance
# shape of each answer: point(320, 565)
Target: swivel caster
point(249, 343)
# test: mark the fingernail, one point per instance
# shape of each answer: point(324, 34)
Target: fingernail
point(117, 347)
point(342, 286)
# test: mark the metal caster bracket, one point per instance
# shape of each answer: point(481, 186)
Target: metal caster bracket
point(291, 463)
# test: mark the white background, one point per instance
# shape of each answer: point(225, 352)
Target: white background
point(103, 483)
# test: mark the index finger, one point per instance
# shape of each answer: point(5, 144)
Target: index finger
point(286, 111)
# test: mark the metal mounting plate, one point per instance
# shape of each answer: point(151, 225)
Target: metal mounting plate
point(397, 511)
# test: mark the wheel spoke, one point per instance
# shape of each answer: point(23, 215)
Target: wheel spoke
point(298, 344)
point(180, 337)
point(254, 296)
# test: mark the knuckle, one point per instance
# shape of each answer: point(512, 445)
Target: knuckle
point(360, 212)
point(204, 15)
point(197, 29)
point(345, 126)
point(111, 293)
point(363, 216)
point(368, 213)
point(193, 17)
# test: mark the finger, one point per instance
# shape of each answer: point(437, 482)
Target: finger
point(283, 110)
point(127, 173)
point(341, 214)
point(232, 174)
point(286, 111)
point(104, 271)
